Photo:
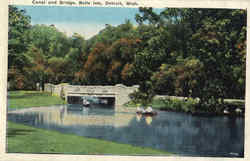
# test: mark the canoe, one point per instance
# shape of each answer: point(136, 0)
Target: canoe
point(86, 105)
point(153, 113)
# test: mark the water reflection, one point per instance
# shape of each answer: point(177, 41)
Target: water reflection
point(138, 117)
point(148, 120)
point(66, 115)
point(174, 132)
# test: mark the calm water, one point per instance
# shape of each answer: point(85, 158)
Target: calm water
point(179, 133)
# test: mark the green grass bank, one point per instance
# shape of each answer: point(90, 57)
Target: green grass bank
point(24, 99)
point(25, 139)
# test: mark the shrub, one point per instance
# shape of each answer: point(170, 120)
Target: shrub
point(180, 105)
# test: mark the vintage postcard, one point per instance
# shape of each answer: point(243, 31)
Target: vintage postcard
point(143, 80)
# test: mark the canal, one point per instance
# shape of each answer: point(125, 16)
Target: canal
point(179, 133)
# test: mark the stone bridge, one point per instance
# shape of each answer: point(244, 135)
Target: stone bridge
point(119, 92)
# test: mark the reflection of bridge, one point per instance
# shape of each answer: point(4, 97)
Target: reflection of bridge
point(62, 116)
point(119, 92)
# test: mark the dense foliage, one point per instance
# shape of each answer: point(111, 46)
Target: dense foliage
point(183, 52)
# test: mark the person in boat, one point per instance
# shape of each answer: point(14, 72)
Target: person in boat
point(149, 110)
point(85, 102)
point(140, 109)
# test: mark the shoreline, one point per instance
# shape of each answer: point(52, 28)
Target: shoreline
point(204, 114)
point(230, 109)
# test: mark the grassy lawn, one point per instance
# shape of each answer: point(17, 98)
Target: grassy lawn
point(23, 99)
point(27, 139)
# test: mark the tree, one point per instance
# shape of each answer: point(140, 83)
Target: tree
point(214, 39)
point(121, 52)
point(36, 70)
point(57, 70)
point(160, 46)
point(94, 69)
point(215, 44)
point(76, 58)
point(47, 52)
point(52, 42)
point(108, 53)
point(19, 23)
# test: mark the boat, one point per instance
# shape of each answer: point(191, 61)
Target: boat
point(85, 103)
point(148, 112)
point(153, 113)
point(103, 101)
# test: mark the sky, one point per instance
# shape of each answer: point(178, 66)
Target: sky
point(87, 21)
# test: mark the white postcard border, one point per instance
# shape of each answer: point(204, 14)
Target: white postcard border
point(235, 4)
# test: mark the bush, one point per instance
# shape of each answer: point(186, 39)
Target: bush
point(143, 98)
point(180, 105)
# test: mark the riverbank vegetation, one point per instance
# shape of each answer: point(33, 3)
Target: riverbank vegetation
point(25, 139)
point(24, 99)
point(196, 53)
point(192, 106)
